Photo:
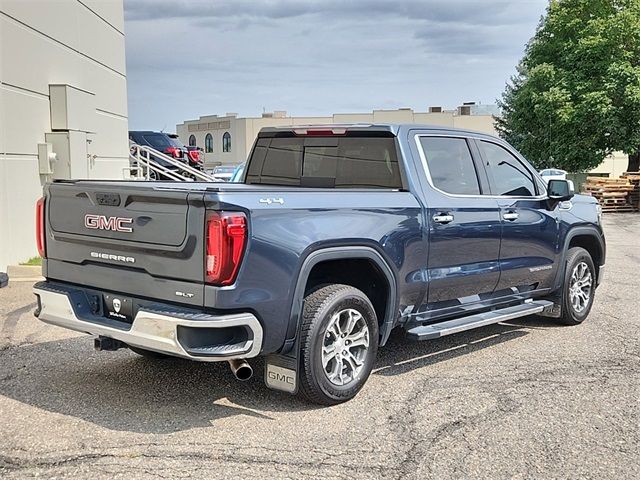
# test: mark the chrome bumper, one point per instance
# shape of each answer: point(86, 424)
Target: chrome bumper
point(153, 330)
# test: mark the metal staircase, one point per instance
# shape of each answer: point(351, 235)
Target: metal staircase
point(144, 165)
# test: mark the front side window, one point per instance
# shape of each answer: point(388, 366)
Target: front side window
point(450, 165)
point(226, 142)
point(208, 143)
point(510, 176)
point(192, 140)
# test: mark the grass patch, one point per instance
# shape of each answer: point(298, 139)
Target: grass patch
point(34, 261)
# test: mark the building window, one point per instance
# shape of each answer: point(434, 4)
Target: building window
point(192, 140)
point(226, 142)
point(208, 143)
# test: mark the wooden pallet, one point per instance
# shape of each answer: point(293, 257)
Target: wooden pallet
point(608, 188)
point(634, 179)
point(607, 193)
point(614, 194)
point(606, 181)
point(618, 209)
point(613, 201)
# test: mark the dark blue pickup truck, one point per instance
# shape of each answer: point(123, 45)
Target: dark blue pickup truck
point(337, 235)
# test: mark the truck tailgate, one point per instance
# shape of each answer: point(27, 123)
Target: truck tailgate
point(129, 238)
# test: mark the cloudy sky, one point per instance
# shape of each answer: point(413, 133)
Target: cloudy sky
point(187, 58)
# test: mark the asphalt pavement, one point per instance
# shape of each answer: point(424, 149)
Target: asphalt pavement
point(523, 399)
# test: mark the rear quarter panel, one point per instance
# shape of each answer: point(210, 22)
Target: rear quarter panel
point(281, 236)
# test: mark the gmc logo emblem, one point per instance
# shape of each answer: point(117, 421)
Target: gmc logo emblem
point(101, 222)
point(279, 377)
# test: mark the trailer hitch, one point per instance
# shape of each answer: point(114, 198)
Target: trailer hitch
point(107, 344)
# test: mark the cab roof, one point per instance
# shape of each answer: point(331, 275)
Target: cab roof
point(390, 129)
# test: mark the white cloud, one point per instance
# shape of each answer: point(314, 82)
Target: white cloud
point(192, 58)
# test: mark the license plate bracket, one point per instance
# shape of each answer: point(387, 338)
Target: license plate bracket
point(117, 307)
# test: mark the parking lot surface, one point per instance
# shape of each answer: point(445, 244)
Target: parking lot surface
point(523, 399)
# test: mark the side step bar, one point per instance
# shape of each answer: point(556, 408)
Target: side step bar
point(437, 330)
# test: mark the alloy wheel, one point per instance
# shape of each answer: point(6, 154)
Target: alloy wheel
point(345, 347)
point(580, 287)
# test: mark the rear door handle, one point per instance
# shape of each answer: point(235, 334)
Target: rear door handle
point(443, 218)
point(511, 216)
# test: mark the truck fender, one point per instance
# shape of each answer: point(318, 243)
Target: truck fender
point(572, 233)
point(337, 253)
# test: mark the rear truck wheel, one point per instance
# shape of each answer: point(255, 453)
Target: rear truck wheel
point(148, 353)
point(579, 287)
point(338, 344)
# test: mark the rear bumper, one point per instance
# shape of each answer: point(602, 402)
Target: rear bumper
point(188, 334)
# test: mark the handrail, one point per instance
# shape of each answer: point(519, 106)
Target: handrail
point(145, 155)
point(149, 166)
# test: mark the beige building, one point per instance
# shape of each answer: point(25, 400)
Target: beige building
point(614, 165)
point(227, 140)
point(209, 132)
point(63, 105)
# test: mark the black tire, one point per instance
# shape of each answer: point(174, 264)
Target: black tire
point(570, 314)
point(320, 309)
point(148, 353)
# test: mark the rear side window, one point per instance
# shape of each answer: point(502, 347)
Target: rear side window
point(450, 165)
point(157, 141)
point(510, 176)
point(325, 162)
point(176, 142)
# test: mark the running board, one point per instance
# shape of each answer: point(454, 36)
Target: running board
point(437, 330)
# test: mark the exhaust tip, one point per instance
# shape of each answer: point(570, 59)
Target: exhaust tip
point(244, 373)
point(241, 369)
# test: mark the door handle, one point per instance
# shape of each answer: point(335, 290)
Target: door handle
point(443, 218)
point(511, 216)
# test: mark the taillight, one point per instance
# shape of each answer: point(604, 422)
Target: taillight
point(195, 156)
point(225, 242)
point(40, 228)
point(173, 151)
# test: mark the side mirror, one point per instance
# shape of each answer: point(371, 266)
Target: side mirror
point(560, 190)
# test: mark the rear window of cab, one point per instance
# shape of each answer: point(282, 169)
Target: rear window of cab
point(325, 162)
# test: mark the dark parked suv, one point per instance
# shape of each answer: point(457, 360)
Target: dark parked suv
point(338, 235)
point(163, 143)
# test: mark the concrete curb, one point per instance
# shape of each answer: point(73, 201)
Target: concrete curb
point(24, 273)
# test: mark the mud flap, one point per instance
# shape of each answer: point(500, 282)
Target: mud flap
point(555, 310)
point(280, 373)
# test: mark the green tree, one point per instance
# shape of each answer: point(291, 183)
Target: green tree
point(576, 95)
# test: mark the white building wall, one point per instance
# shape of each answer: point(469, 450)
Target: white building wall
point(43, 43)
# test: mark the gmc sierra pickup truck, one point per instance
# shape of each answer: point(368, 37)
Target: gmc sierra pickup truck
point(336, 235)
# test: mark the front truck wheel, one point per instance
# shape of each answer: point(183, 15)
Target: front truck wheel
point(338, 344)
point(579, 286)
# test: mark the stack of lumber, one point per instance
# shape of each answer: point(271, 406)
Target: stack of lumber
point(634, 179)
point(612, 193)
